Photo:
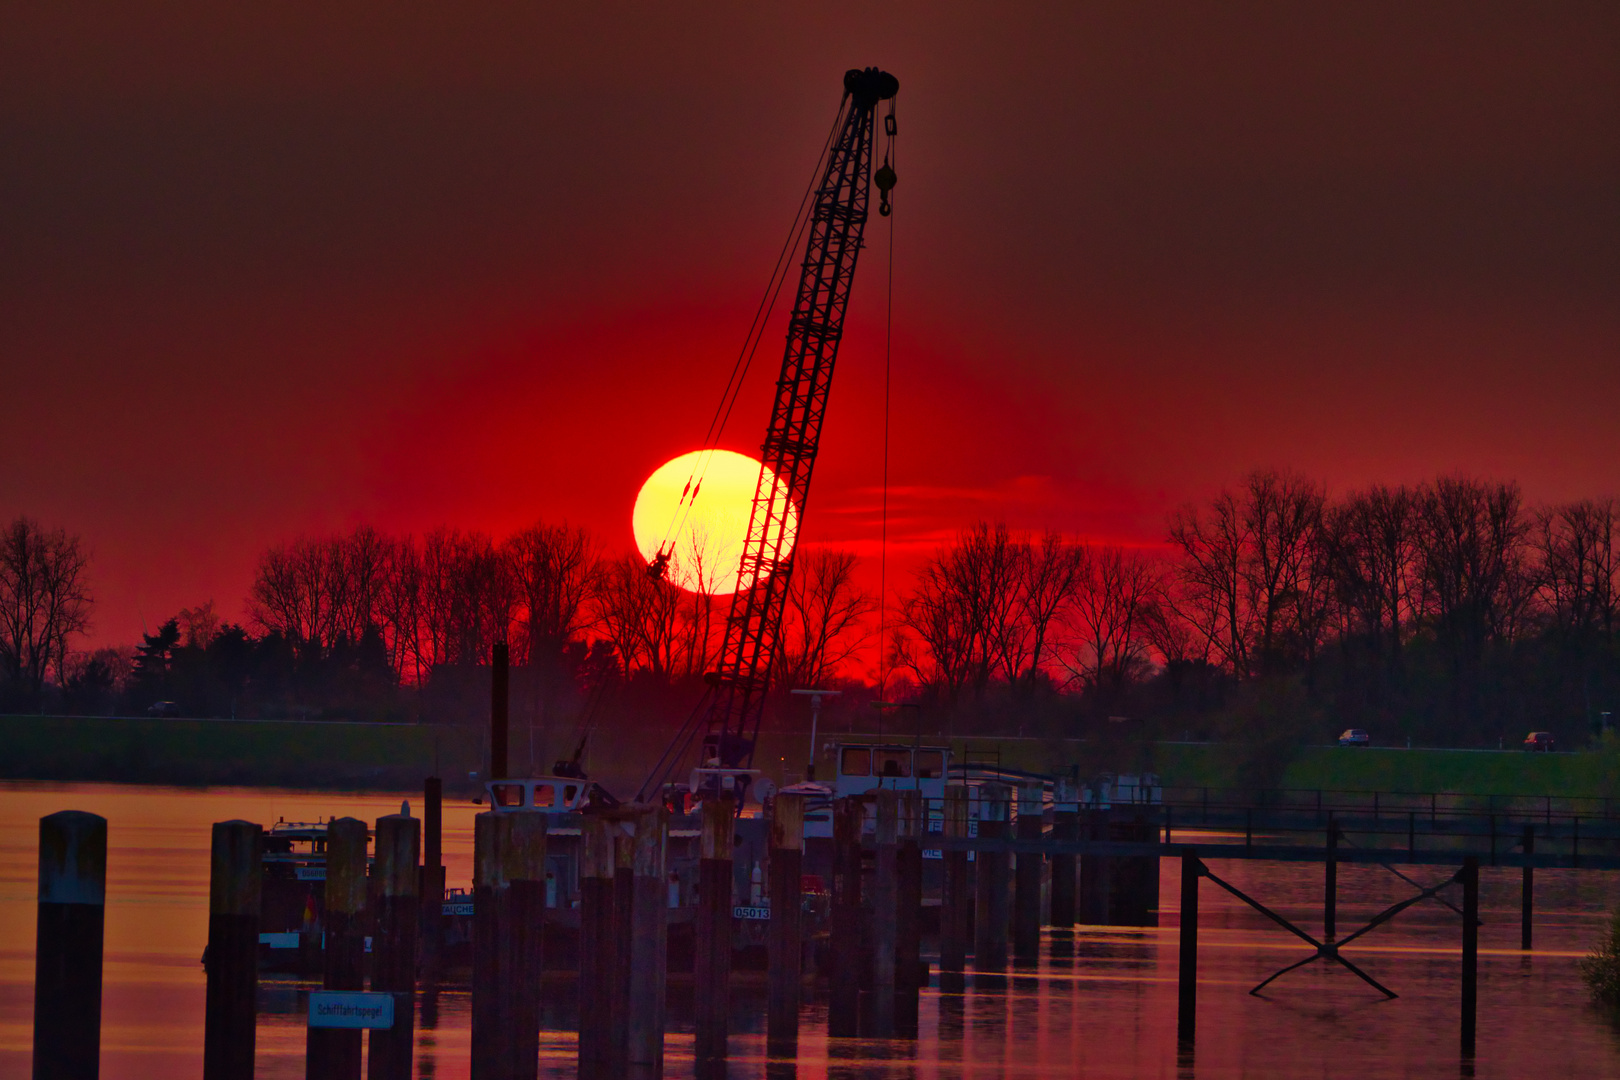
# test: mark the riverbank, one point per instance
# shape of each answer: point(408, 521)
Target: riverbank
point(360, 756)
point(258, 753)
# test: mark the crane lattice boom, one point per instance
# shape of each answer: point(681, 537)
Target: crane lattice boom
point(754, 624)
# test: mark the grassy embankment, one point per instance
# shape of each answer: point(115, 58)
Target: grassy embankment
point(1474, 772)
point(396, 756)
point(224, 752)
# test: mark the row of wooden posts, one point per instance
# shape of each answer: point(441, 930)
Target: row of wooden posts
point(877, 970)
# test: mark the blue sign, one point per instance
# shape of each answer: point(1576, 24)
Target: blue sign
point(350, 1009)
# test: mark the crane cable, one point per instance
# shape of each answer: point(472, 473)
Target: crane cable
point(745, 357)
point(890, 150)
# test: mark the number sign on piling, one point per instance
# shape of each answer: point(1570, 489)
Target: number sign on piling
point(350, 1009)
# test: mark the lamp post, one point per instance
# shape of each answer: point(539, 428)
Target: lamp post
point(815, 715)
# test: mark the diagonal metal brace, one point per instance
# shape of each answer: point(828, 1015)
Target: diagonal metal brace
point(1328, 950)
point(1416, 885)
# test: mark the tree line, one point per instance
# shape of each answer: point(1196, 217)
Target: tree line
point(444, 599)
point(369, 624)
point(1447, 611)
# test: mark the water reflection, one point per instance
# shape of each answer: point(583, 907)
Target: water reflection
point(1100, 1003)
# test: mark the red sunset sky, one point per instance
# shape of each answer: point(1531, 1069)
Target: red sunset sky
point(279, 268)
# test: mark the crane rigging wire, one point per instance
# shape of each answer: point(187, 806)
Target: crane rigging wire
point(890, 150)
point(745, 358)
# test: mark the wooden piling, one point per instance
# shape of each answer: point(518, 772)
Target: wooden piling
point(68, 945)
point(1470, 952)
point(843, 1000)
point(992, 916)
point(712, 964)
point(910, 972)
point(509, 868)
point(1187, 974)
point(785, 854)
point(431, 890)
point(624, 895)
point(395, 927)
point(1065, 829)
point(954, 897)
point(525, 874)
point(1330, 888)
point(235, 885)
point(499, 683)
point(1527, 896)
point(334, 1053)
point(648, 950)
point(1027, 872)
point(595, 944)
point(489, 1030)
point(885, 901)
point(1097, 872)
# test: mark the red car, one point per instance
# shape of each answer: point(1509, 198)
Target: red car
point(1539, 740)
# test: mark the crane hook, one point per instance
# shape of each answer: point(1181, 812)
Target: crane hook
point(885, 180)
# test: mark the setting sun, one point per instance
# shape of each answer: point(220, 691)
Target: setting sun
point(707, 528)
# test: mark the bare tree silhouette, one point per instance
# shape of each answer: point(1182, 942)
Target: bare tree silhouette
point(44, 601)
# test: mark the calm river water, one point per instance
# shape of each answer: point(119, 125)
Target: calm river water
point(1106, 1011)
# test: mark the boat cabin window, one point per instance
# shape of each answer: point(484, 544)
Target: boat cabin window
point(889, 761)
point(568, 794)
point(544, 795)
point(856, 761)
point(507, 794)
point(930, 764)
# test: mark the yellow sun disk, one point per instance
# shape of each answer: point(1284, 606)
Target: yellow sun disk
point(708, 531)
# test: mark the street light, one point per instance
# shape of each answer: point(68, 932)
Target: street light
point(815, 715)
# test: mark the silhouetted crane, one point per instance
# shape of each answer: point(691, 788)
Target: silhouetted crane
point(753, 627)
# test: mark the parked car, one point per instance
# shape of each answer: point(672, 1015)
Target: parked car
point(1539, 740)
point(163, 708)
point(1354, 737)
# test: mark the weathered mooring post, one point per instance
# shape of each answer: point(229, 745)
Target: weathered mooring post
point(1026, 929)
point(499, 699)
point(490, 831)
point(67, 951)
point(393, 943)
point(1330, 888)
point(712, 963)
point(1187, 974)
point(595, 945)
point(1527, 899)
point(1097, 872)
point(648, 949)
point(509, 867)
point(954, 897)
point(843, 1001)
point(235, 883)
point(1470, 951)
point(624, 905)
point(431, 891)
point(990, 926)
point(334, 1053)
point(525, 873)
point(786, 943)
point(1065, 829)
point(910, 975)
point(885, 902)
